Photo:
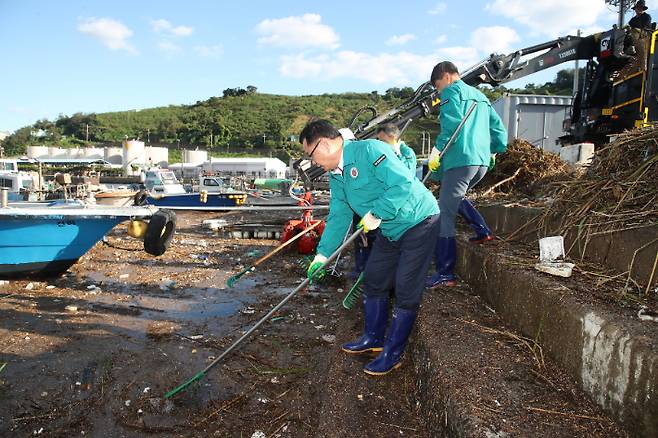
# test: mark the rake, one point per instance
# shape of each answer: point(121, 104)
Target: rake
point(353, 295)
point(198, 376)
point(232, 280)
point(454, 135)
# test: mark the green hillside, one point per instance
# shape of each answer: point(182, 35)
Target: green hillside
point(240, 122)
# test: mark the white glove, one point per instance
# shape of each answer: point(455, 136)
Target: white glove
point(369, 222)
point(435, 160)
point(396, 148)
point(319, 258)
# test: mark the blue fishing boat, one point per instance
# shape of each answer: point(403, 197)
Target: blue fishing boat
point(46, 240)
point(165, 191)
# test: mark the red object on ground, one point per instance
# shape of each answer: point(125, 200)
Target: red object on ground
point(308, 242)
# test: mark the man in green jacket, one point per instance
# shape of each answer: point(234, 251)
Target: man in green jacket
point(367, 178)
point(390, 133)
point(463, 165)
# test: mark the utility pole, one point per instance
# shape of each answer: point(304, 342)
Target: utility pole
point(148, 135)
point(211, 139)
point(622, 5)
point(264, 140)
point(87, 134)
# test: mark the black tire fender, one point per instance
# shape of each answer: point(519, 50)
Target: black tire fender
point(140, 197)
point(159, 232)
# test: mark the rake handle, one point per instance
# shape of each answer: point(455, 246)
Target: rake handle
point(283, 245)
point(275, 250)
point(454, 135)
point(275, 309)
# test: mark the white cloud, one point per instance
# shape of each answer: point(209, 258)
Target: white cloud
point(438, 9)
point(498, 39)
point(210, 51)
point(398, 40)
point(297, 32)
point(461, 56)
point(441, 39)
point(163, 26)
point(21, 110)
point(401, 68)
point(169, 47)
point(111, 33)
point(550, 17)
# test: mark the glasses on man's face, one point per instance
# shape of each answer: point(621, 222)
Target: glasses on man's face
point(310, 155)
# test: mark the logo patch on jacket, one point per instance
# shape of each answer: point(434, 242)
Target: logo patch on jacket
point(354, 172)
point(379, 160)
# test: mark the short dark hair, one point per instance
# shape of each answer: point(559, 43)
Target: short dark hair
point(316, 129)
point(389, 129)
point(441, 68)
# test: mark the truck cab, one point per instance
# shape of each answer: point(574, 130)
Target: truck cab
point(213, 184)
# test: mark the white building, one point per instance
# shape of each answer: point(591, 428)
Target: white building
point(252, 167)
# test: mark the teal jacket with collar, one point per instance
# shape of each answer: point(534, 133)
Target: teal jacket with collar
point(374, 179)
point(408, 157)
point(483, 133)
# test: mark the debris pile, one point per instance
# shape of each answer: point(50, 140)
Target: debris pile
point(524, 169)
point(618, 191)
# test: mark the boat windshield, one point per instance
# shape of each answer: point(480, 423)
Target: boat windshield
point(8, 166)
point(168, 178)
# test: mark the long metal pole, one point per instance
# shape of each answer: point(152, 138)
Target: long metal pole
point(276, 308)
point(622, 5)
point(453, 136)
point(575, 73)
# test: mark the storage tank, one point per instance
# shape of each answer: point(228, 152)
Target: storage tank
point(113, 155)
point(195, 157)
point(157, 156)
point(37, 151)
point(133, 153)
point(92, 153)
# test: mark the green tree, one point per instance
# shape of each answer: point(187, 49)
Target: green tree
point(16, 144)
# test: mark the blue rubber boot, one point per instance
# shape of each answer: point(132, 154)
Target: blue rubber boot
point(396, 340)
point(475, 220)
point(446, 256)
point(375, 315)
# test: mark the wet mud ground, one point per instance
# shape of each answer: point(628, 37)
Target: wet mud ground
point(93, 352)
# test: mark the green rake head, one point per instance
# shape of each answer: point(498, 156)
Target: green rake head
point(354, 294)
point(304, 262)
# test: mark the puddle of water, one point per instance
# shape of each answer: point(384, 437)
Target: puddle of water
point(208, 299)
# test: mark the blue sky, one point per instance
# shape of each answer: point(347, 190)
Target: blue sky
point(62, 57)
